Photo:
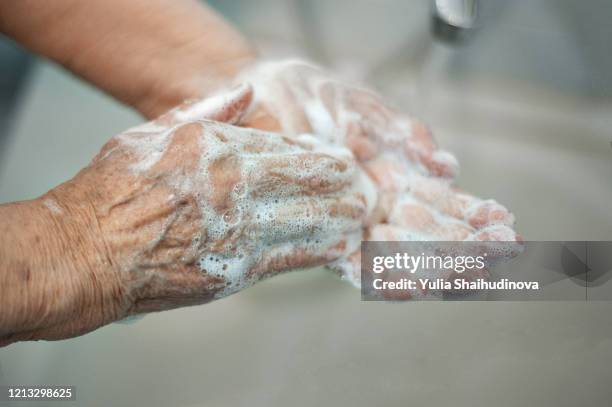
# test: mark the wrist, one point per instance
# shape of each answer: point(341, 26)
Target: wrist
point(56, 280)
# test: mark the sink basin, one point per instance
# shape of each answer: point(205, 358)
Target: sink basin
point(530, 129)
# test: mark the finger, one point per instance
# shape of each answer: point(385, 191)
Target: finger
point(486, 213)
point(371, 108)
point(228, 107)
point(498, 233)
point(277, 96)
point(440, 163)
point(393, 233)
point(385, 232)
point(304, 173)
point(349, 268)
point(362, 146)
point(496, 242)
point(420, 147)
point(450, 201)
point(390, 175)
point(291, 256)
point(433, 205)
point(410, 214)
point(382, 208)
point(261, 118)
point(307, 218)
point(411, 138)
point(255, 143)
point(440, 195)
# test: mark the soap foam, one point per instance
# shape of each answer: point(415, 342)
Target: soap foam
point(255, 218)
point(302, 87)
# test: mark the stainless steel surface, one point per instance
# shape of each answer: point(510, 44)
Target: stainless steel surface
point(527, 107)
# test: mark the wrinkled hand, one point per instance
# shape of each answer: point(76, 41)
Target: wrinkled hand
point(216, 207)
point(414, 179)
point(189, 211)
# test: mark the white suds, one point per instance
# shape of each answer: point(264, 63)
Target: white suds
point(148, 146)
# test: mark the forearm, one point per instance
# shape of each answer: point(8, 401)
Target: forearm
point(53, 278)
point(150, 54)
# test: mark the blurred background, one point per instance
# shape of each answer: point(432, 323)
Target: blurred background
point(520, 90)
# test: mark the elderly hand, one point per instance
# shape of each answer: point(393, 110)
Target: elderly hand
point(183, 212)
point(215, 207)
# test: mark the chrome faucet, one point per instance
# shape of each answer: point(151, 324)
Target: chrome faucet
point(454, 20)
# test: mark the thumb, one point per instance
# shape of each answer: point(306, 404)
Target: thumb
point(228, 106)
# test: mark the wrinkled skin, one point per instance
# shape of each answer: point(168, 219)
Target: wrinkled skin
point(223, 192)
point(189, 211)
point(417, 199)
